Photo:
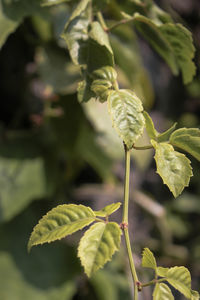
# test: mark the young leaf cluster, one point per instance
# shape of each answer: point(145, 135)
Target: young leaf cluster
point(177, 277)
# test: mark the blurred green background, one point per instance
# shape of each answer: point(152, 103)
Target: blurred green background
point(54, 150)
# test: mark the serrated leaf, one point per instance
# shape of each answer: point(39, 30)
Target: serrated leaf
point(162, 272)
point(180, 279)
point(162, 292)
point(152, 132)
point(164, 136)
point(157, 40)
point(59, 222)
point(125, 109)
point(173, 167)
point(108, 210)
point(173, 42)
point(187, 139)
point(181, 42)
point(148, 259)
point(98, 245)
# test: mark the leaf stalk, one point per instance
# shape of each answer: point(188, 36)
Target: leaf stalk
point(125, 221)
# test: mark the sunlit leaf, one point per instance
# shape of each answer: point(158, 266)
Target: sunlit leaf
point(194, 295)
point(107, 73)
point(148, 259)
point(180, 279)
point(152, 132)
point(173, 167)
point(98, 245)
point(162, 292)
point(164, 136)
point(108, 210)
point(162, 272)
point(61, 221)
point(125, 109)
point(187, 139)
point(7, 26)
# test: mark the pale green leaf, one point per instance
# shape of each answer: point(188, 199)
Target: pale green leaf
point(187, 139)
point(162, 292)
point(162, 272)
point(180, 279)
point(152, 132)
point(61, 221)
point(108, 210)
point(76, 30)
point(98, 245)
point(173, 167)
point(164, 136)
point(173, 42)
point(125, 109)
point(148, 259)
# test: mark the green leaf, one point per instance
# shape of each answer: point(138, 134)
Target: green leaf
point(180, 279)
point(104, 79)
point(152, 132)
point(107, 73)
point(173, 42)
point(76, 30)
point(194, 295)
point(164, 136)
point(125, 109)
point(61, 221)
point(7, 26)
point(162, 292)
point(108, 210)
point(173, 167)
point(162, 272)
point(21, 181)
point(148, 259)
point(100, 37)
point(181, 42)
point(154, 36)
point(98, 245)
point(187, 139)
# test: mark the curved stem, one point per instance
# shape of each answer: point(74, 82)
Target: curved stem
point(125, 222)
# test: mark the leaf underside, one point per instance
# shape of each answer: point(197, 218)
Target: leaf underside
point(125, 109)
point(148, 259)
point(162, 292)
point(173, 167)
point(98, 245)
point(61, 221)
